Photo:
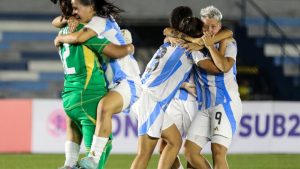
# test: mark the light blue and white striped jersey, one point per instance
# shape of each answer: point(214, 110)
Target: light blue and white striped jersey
point(183, 94)
point(166, 71)
point(115, 69)
point(217, 88)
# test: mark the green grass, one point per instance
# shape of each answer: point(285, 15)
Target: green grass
point(238, 161)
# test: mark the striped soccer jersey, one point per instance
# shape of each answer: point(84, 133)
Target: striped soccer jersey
point(183, 94)
point(217, 88)
point(166, 71)
point(115, 69)
point(164, 74)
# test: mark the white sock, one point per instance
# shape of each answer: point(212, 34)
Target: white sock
point(97, 148)
point(72, 153)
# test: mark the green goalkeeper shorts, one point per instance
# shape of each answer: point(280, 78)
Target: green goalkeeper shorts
point(84, 116)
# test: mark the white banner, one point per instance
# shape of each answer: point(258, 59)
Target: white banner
point(48, 126)
point(266, 127)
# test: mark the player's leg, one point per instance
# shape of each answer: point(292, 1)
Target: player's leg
point(191, 108)
point(110, 104)
point(175, 111)
point(146, 145)
point(87, 119)
point(172, 136)
point(170, 152)
point(114, 102)
point(105, 154)
point(224, 120)
point(177, 164)
point(73, 140)
point(192, 154)
point(219, 156)
point(197, 136)
point(72, 145)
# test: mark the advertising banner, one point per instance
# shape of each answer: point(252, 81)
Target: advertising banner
point(268, 127)
point(15, 124)
point(48, 126)
point(40, 127)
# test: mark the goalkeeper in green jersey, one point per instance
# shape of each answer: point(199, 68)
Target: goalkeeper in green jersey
point(84, 86)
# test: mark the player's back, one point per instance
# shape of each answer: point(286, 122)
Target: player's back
point(83, 75)
point(183, 94)
point(166, 71)
point(115, 69)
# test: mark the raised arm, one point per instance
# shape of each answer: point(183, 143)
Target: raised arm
point(222, 63)
point(224, 33)
point(103, 46)
point(177, 34)
point(59, 22)
point(75, 38)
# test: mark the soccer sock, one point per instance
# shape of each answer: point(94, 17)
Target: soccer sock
point(98, 145)
point(72, 153)
point(105, 154)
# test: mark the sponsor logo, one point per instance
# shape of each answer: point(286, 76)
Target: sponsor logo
point(56, 123)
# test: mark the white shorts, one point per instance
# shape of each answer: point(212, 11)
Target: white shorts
point(216, 124)
point(182, 113)
point(130, 92)
point(150, 115)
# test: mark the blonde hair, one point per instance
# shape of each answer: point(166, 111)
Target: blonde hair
point(211, 12)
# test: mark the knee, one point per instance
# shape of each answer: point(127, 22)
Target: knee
point(175, 143)
point(103, 110)
point(190, 151)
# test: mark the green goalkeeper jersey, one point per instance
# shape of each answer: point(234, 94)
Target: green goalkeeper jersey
point(84, 78)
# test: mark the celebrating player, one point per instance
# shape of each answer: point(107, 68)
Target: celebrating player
point(84, 84)
point(122, 74)
point(164, 74)
point(221, 105)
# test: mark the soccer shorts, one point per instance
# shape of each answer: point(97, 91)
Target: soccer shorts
point(216, 124)
point(182, 112)
point(84, 116)
point(130, 92)
point(150, 114)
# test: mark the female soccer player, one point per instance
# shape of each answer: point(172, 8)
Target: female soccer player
point(123, 75)
point(84, 84)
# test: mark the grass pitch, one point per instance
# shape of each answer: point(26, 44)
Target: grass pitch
point(122, 161)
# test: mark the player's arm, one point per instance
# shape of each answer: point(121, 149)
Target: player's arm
point(118, 51)
point(75, 38)
point(109, 49)
point(59, 22)
point(209, 66)
point(177, 34)
point(223, 63)
point(192, 46)
point(224, 33)
point(205, 62)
